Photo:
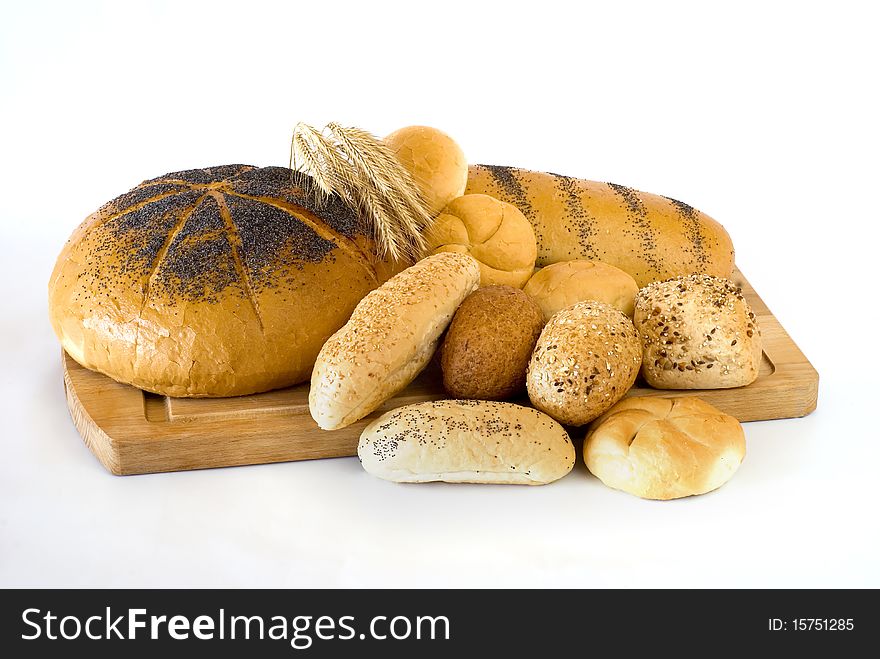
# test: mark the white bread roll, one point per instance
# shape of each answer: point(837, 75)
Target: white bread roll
point(664, 448)
point(563, 284)
point(389, 339)
point(494, 233)
point(436, 162)
point(466, 441)
point(698, 332)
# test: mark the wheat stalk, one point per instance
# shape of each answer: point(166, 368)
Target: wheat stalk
point(363, 171)
point(305, 157)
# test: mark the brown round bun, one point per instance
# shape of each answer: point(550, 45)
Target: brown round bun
point(664, 448)
point(563, 284)
point(493, 232)
point(210, 282)
point(586, 359)
point(435, 161)
point(487, 347)
point(698, 332)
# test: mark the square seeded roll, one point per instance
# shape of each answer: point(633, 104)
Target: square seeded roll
point(697, 332)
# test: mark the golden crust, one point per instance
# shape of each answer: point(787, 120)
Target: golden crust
point(664, 448)
point(647, 236)
point(436, 162)
point(493, 232)
point(563, 284)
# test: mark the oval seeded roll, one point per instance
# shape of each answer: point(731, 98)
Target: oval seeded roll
point(494, 233)
point(586, 359)
point(488, 345)
point(210, 282)
point(391, 336)
point(561, 285)
point(698, 332)
point(466, 441)
point(664, 448)
point(436, 162)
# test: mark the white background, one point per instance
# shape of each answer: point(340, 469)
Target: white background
point(764, 115)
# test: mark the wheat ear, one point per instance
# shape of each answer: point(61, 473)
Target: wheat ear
point(363, 171)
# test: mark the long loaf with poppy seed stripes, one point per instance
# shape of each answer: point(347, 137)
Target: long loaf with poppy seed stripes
point(652, 238)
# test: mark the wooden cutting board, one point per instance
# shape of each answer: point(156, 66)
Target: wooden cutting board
point(134, 432)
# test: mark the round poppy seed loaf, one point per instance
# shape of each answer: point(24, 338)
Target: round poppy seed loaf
point(211, 282)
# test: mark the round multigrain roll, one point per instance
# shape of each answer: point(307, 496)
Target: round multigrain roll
point(586, 359)
point(561, 285)
point(436, 162)
point(466, 441)
point(493, 232)
point(211, 282)
point(664, 448)
point(486, 350)
point(391, 336)
point(698, 332)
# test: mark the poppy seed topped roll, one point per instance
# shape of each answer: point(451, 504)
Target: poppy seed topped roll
point(466, 441)
point(211, 282)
